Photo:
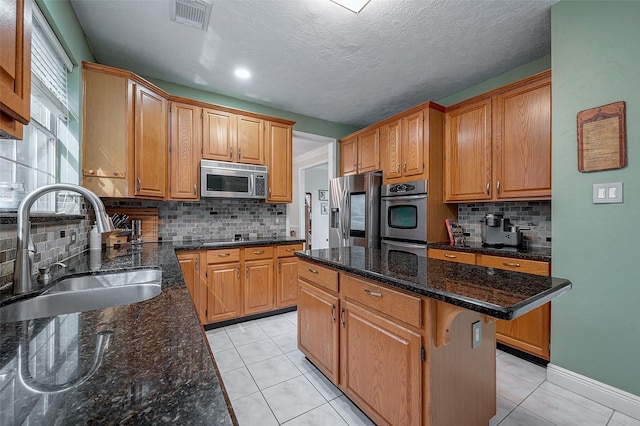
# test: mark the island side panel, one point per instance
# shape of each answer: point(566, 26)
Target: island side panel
point(461, 381)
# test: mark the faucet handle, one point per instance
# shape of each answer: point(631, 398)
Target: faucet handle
point(44, 275)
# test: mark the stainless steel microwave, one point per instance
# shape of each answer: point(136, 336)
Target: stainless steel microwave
point(219, 179)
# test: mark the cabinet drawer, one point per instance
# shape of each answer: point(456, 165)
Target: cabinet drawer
point(223, 255)
point(288, 250)
point(398, 305)
point(513, 264)
point(319, 275)
point(452, 256)
point(253, 253)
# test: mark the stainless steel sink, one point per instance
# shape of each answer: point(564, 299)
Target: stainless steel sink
point(87, 293)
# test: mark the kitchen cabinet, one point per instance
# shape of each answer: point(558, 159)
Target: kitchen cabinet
point(360, 153)
point(391, 149)
point(287, 275)
point(318, 328)
point(378, 355)
point(279, 162)
point(258, 293)
point(15, 67)
point(228, 136)
point(530, 332)
point(185, 151)
point(498, 145)
point(125, 135)
point(223, 285)
point(190, 266)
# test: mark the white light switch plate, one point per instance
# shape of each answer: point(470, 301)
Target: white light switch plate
point(606, 193)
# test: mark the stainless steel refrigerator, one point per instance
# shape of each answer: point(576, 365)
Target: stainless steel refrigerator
point(354, 208)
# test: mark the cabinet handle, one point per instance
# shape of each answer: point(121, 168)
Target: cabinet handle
point(258, 252)
point(488, 187)
point(333, 313)
point(238, 272)
point(194, 189)
point(246, 272)
point(372, 293)
point(405, 166)
point(279, 267)
point(231, 152)
point(113, 173)
point(239, 154)
point(498, 187)
point(90, 172)
point(398, 167)
point(450, 256)
point(290, 249)
point(342, 317)
point(313, 271)
point(511, 264)
point(139, 183)
point(224, 255)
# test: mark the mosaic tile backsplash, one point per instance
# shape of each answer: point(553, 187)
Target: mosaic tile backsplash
point(533, 214)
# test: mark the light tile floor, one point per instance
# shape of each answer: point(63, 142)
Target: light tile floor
point(270, 382)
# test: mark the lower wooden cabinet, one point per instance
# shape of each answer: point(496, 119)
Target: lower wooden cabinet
point(381, 366)
point(223, 292)
point(529, 333)
point(190, 267)
point(258, 293)
point(318, 328)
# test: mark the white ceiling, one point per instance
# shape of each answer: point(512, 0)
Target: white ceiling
point(316, 58)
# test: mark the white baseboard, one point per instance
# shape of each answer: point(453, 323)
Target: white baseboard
point(617, 399)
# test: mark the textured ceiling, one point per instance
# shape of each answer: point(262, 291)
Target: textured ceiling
point(315, 58)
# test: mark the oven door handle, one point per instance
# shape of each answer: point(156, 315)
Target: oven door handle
point(400, 198)
point(405, 245)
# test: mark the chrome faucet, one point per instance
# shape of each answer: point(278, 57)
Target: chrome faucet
point(24, 262)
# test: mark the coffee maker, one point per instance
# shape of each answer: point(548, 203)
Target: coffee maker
point(498, 231)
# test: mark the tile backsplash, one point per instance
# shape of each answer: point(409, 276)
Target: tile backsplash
point(533, 214)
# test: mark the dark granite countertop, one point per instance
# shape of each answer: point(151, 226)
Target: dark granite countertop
point(245, 242)
point(156, 365)
point(495, 292)
point(531, 253)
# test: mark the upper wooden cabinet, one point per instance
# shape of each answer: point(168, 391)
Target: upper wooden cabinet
point(185, 151)
point(15, 67)
point(232, 137)
point(498, 145)
point(360, 153)
point(279, 162)
point(402, 147)
point(125, 134)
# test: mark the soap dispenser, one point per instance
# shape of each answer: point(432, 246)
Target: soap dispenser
point(95, 239)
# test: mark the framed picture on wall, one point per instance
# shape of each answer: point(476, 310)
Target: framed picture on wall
point(323, 195)
point(324, 208)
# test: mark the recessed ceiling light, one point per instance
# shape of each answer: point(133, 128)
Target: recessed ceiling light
point(242, 73)
point(353, 5)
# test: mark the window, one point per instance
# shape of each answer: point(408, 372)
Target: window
point(49, 152)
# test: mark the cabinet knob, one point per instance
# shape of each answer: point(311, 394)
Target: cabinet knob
point(114, 173)
point(139, 183)
point(90, 172)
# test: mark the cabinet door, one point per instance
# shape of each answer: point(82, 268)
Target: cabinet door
point(15, 67)
point(523, 141)
point(184, 152)
point(349, 156)
point(369, 151)
point(150, 143)
point(391, 149)
point(468, 152)
point(529, 333)
point(223, 292)
point(279, 163)
point(218, 135)
point(250, 140)
point(258, 286)
point(190, 267)
point(287, 282)
point(413, 144)
point(381, 358)
point(318, 328)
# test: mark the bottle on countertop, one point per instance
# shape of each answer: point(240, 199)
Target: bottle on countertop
point(95, 238)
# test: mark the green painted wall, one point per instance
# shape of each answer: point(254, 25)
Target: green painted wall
point(596, 326)
point(510, 76)
point(304, 123)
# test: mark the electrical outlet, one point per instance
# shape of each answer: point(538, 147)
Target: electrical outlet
point(605, 193)
point(72, 236)
point(476, 334)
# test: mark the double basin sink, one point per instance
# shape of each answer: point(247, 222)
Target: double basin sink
point(87, 293)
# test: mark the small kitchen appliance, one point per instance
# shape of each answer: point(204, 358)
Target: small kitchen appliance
point(498, 231)
point(219, 179)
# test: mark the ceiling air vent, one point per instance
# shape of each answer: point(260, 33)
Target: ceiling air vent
point(194, 13)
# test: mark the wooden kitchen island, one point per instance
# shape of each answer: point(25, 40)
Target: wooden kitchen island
point(411, 340)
